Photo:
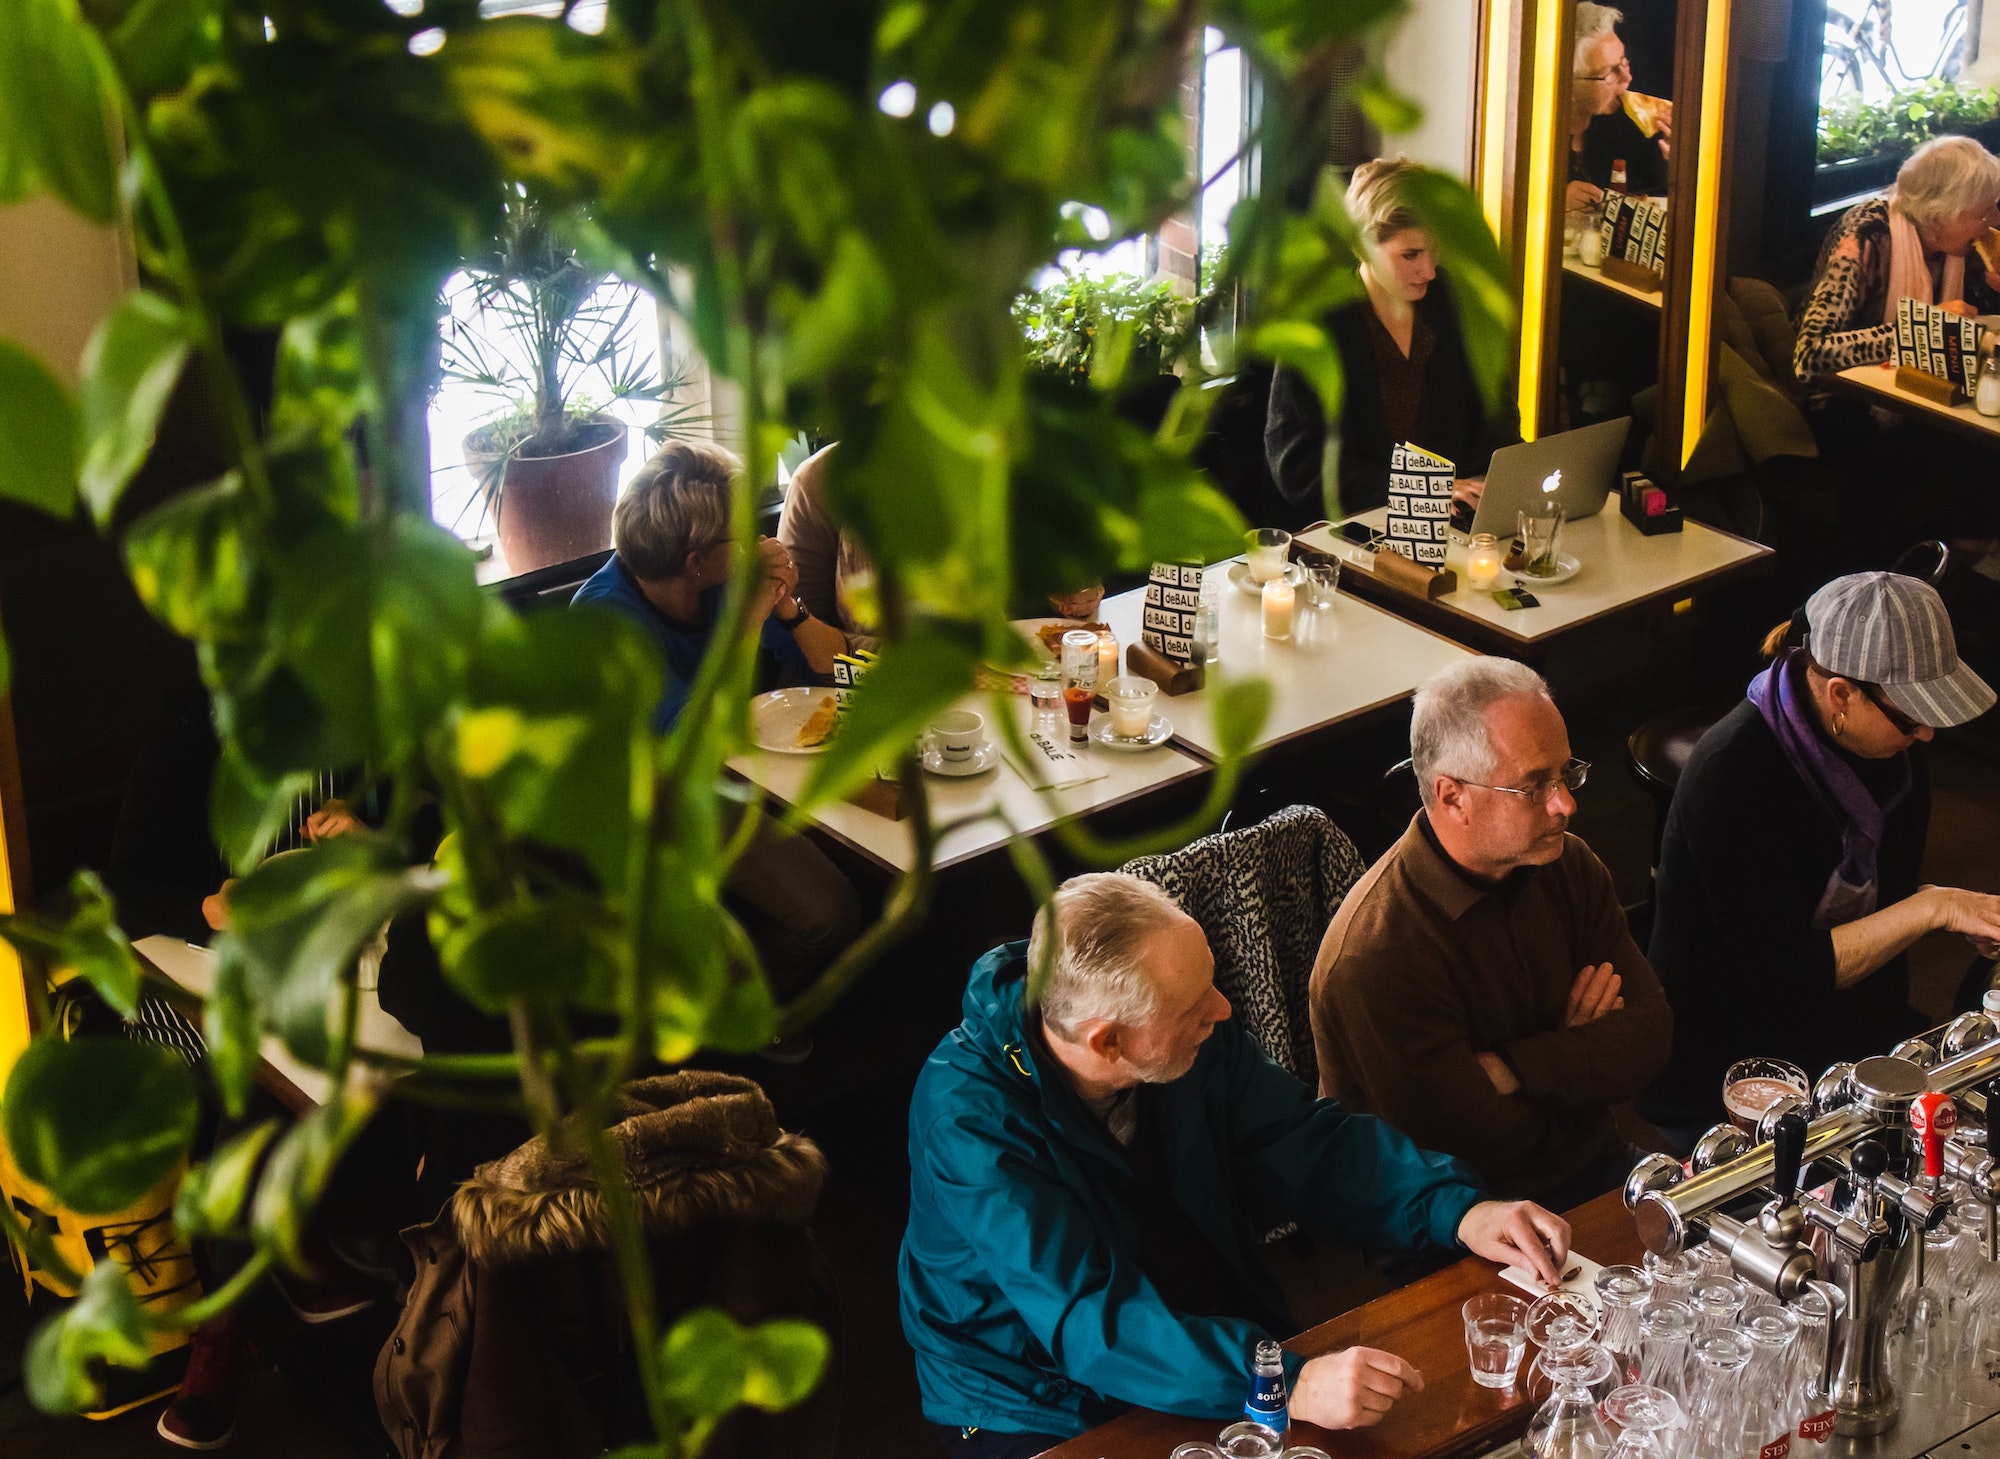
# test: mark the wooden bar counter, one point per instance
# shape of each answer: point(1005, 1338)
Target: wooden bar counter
point(1452, 1417)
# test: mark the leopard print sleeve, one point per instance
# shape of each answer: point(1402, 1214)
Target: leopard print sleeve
point(1831, 336)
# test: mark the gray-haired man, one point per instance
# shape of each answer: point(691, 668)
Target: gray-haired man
point(1089, 1177)
point(1478, 988)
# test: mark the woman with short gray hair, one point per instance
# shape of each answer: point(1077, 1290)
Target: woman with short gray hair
point(1915, 243)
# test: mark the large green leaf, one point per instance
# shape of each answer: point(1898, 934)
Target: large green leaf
point(912, 681)
point(229, 1027)
point(787, 1358)
point(706, 1363)
point(299, 921)
point(557, 106)
point(194, 562)
point(55, 120)
point(564, 949)
point(88, 942)
point(559, 722)
point(129, 369)
point(99, 1121)
point(378, 622)
point(212, 1196)
point(159, 43)
point(62, 1367)
point(37, 434)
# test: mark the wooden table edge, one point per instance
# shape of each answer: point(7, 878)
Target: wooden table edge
point(274, 1082)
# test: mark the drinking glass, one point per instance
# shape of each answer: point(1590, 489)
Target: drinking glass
point(1248, 1439)
point(1716, 1302)
point(1131, 699)
point(1045, 689)
point(1752, 1086)
point(1672, 1277)
point(1922, 1337)
point(1540, 529)
point(1622, 1292)
point(1322, 582)
point(1558, 1323)
point(1266, 550)
point(1495, 1332)
point(1767, 1397)
point(1812, 1409)
point(1665, 1329)
point(1717, 1409)
point(1644, 1417)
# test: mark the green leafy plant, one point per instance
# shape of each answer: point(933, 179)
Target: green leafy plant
point(321, 168)
point(1852, 128)
point(1146, 323)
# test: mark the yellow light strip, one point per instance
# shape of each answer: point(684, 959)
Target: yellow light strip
point(1540, 175)
point(13, 984)
point(1708, 196)
point(1493, 127)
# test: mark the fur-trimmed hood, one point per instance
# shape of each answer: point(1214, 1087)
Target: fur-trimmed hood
point(697, 1146)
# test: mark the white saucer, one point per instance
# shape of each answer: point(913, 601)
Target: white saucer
point(1158, 732)
point(1567, 567)
point(983, 759)
point(1239, 575)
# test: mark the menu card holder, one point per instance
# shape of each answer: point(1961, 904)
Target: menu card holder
point(1934, 388)
point(1632, 275)
point(1398, 572)
point(1172, 678)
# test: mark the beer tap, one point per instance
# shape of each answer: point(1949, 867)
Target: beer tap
point(1770, 1254)
point(1932, 1117)
point(1969, 1160)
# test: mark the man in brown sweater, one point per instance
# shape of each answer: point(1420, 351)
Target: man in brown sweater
point(1478, 988)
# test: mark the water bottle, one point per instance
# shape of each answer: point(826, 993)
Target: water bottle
point(1268, 1403)
point(1986, 395)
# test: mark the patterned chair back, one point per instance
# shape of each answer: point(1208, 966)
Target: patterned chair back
point(1264, 895)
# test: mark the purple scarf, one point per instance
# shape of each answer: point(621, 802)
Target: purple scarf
point(1781, 697)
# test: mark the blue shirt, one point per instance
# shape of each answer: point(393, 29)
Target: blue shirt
point(780, 661)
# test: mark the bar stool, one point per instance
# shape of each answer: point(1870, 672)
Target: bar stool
point(1658, 751)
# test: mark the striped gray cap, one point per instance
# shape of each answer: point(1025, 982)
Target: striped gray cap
point(1893, 631)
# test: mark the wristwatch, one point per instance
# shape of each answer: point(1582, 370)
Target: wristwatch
point(799, 613)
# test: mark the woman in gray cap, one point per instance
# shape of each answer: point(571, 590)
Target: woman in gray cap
point(1788, 885)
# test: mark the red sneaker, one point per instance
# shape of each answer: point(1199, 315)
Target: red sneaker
point(203, 1414)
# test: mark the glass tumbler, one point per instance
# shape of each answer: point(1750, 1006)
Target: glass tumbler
point(1540, 529)
point(1716, 1302)
point(1495, 1332)
point(1645, 1419)
point(1812, 1408)
point(1665, 1329)
point(1716, 1414)
point(1767, 1389)
point(1621, 1294)
point(1672, 1277)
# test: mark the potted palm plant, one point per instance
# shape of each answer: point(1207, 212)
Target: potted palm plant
point(555, 342)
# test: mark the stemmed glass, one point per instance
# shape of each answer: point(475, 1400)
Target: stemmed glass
point(1570, 1425)
point(1643, 1416)
point(1557, 1323)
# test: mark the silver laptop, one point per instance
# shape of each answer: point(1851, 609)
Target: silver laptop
point(1575, 468)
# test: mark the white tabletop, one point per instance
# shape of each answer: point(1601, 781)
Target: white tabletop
point(192, 969)
point(1595, 275)
point(1121, 776)
point(1340, 662)
point(1880, 380)
point(1622, 568)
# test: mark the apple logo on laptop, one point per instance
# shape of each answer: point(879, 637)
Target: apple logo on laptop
point(1552, 483)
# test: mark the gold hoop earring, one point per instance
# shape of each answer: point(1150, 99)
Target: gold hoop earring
point(1839, 724)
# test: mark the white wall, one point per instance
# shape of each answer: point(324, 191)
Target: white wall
point(1431, 58)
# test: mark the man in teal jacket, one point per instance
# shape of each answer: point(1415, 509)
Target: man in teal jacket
point(1089, 1180)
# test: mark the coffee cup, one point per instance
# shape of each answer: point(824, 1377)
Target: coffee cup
point(957, 735)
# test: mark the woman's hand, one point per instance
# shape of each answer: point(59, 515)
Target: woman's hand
point(1975, 916)
point(215, 906)
point(1468, 490)
point(330, 820)
point(781, 574)
point(1584, 196)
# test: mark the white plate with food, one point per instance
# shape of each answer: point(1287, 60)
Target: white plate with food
point(1239, 574)
point(794, 721)
point(1046, 633)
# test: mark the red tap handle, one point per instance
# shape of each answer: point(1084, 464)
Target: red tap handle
point(1932, 1117)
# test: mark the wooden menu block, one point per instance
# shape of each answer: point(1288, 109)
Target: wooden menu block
point(883, 797)
point(1172, 678)
point(1424, 582)
point(1633, 275)
point(1934, 388)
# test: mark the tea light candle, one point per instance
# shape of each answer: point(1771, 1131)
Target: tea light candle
point(1279, 600)
point(1107, 657)
point(1482, 562)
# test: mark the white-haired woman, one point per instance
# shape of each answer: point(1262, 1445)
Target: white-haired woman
point(1912, 244)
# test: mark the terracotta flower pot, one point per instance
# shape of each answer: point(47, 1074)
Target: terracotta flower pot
point(554, 508)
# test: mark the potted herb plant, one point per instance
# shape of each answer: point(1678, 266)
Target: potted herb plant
point(556, 341)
